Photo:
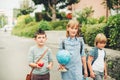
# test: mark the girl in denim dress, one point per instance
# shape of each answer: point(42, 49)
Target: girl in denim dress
point(72, 44)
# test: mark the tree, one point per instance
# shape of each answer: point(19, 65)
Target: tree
point(26, 7)
point(85, 14)
point(111, 4)
point(3, 20)
point(51, 6)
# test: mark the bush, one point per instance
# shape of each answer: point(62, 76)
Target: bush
point(30, 29)
point(24, 19)
point(92, 21)
point(113, 68)
point(95, 20)
point(112, 30)
point(44, 25)
point(92, 31)
point(18, 29)
point(28, 19)
point(27, 31)
point(57, 24)
point(84, 15)
point(102, 19)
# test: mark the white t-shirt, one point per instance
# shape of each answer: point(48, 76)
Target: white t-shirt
point(98, 65)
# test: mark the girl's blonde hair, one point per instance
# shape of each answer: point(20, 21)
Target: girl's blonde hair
point(73, 23)
point(100, 38)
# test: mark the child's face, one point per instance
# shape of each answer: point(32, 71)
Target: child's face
point(72, 31)
point(101, 44)
point(41, 39)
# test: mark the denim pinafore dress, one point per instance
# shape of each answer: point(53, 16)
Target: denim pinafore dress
point(75, 65)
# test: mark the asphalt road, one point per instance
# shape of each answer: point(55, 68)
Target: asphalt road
point(13, 56)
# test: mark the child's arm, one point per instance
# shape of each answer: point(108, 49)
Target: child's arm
point(50, 59)
point(105, 70)
point(50, 65)
point(90, 59)
point(84, 66)
point(34, 65)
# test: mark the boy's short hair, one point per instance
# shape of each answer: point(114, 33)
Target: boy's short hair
point(40, 32)
point(100, 38)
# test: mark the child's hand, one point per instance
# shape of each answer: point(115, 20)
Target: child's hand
point(61, 66)
point(92, 75)
point(85, 73)
point(40, 63)
point(105, 76)
point(49, 66)
point(37, 66)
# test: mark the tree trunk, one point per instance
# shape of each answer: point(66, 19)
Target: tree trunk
point(107, 10)
point(53, 11)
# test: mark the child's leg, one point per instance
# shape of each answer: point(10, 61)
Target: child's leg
point(98, 75)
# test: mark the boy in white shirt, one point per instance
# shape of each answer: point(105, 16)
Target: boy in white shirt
point(96, 59)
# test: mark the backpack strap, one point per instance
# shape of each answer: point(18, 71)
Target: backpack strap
point(105, 55)
point(95, 51)
point(63, 44)
point(81, 45)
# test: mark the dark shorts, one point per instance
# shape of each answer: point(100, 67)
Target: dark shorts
point(40, 77)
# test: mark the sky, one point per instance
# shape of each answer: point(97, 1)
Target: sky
point(7, 5)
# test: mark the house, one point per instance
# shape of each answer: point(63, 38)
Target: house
point(97, 6)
